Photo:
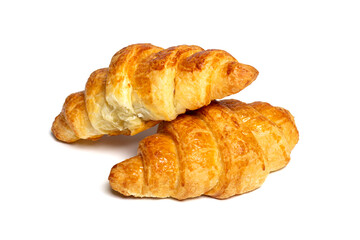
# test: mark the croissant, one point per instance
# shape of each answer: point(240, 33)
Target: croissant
point(145, 84)
point(221, 150)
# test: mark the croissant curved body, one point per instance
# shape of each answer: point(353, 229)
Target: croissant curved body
point(145, 84)
point(221, 150)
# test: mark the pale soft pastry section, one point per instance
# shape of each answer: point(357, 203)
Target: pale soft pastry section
point(145, 84)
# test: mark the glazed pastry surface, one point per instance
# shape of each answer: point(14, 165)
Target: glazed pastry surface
point(145, 84)
point(221, 150)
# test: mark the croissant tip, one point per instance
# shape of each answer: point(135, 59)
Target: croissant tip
point(61, 130)
point(252, 71)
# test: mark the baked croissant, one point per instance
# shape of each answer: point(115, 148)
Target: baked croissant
point(221, 150)
point(145, 84)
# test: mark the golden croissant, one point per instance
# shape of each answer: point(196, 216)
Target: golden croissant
point(221, 150)
point(145, 84)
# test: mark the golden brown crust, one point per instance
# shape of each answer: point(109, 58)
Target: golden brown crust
point(128, 176)
point(160, 167)
point(282, 118)
point(196, 86)
point(244, 166)
point(221, 150)
point(61, 130)
point(145, 84)
point(77, 118)
point(197, 155)
point(155, 79)
point(266, 133)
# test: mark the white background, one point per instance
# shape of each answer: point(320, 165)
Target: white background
point(307, 53)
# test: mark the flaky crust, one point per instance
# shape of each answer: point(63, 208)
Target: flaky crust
point(221, 150)
point(145, 84)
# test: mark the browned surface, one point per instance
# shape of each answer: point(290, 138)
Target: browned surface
point(221, 150)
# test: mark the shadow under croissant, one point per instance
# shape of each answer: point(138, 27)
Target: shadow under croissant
point(110, 191)
point(119, 141)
